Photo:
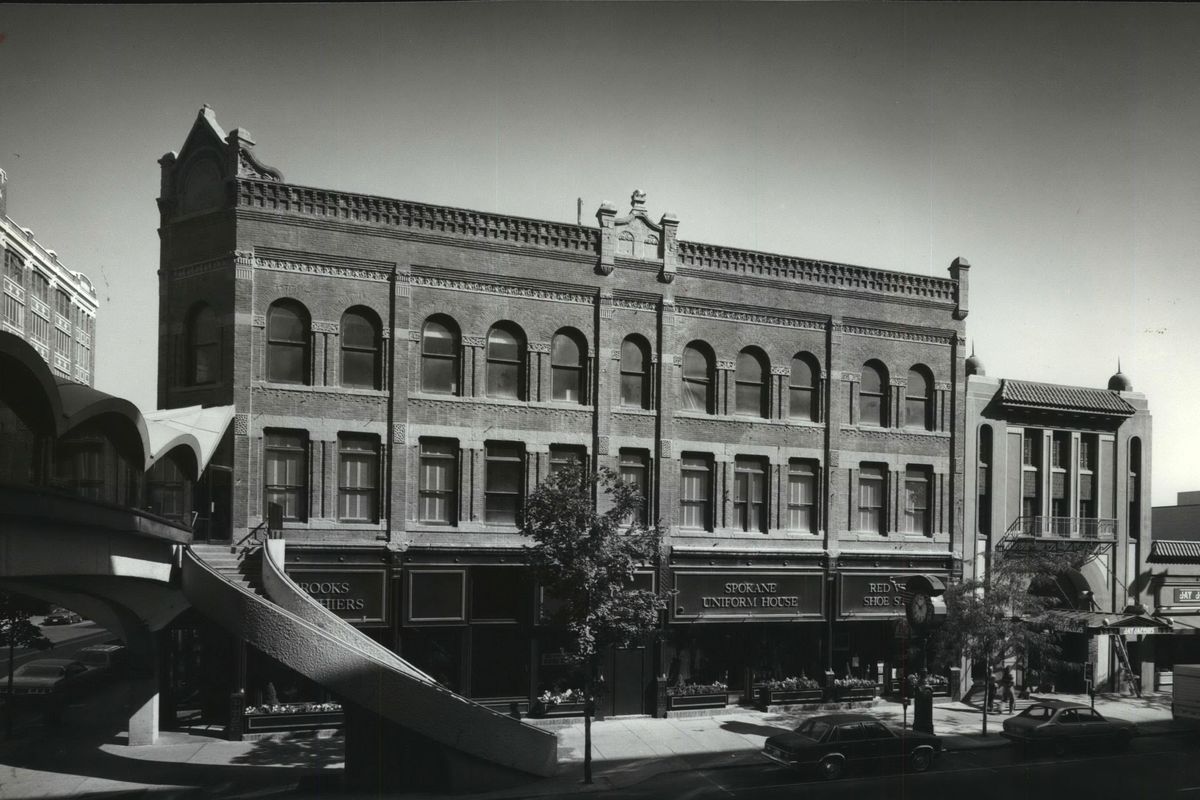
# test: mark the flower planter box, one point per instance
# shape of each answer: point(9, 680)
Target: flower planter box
point(300, 721)
point(769, 697)
point(678, 702)
point(864, 693)
point(556, 710)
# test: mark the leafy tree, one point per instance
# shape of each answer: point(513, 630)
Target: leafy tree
point(16, 631)
point(586, 560)
point(1002, 616)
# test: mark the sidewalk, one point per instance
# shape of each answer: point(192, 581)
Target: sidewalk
point(625, 751)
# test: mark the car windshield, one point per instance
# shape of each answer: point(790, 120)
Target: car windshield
point(39, 671)
point(814, 729)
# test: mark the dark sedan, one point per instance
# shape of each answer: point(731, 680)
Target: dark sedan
point(1058, 726)
point(834, 743)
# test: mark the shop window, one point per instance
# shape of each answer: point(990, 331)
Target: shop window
point(439, 357)
point(203, 346)
point(917, 518)
point(286, 481)
point(361, 347)
point(358, 478)
point(872, 395)
point(695, 493)
point(698, 378)
point(437, 486)
point(438, 652)
point(802, 496)
point(635, 470)
point(750, 494)
point(438, 595)
point(503, 483)
point(568, 353)
point(506, 362)
point(167, 490)
point(871, 494)
point(751, 381)
point(635, 373)
point(918, 399)
point(563, 456)
point(287, 343)
point(500, 594)
point(499, 661)
point(802, 391)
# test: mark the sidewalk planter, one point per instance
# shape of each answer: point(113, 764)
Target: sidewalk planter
point(678, 702)
point(271, 722)
point(775, 697)
point(857, 693)
point(544, 711)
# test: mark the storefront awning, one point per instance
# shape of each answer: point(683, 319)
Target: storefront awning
point(1103, 622)
point(1174, 551)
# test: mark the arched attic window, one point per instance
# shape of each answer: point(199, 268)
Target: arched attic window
point(697, 378)
point(751, 380)
point(635, 372)
point(439, 356)
point(918, 399)
point(288, 337)
point(872, 395)
point(568, 353)
point(802, 389)
point(203, 346)
point(506, 362)
point(361, 342)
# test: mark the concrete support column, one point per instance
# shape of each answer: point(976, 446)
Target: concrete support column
point(143, 689)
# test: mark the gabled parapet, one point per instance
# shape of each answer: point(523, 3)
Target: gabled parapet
point(635, 237)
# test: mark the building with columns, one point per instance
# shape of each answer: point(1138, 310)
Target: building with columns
point(404, 374)
point(45, 303)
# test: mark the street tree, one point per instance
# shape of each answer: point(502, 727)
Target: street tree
point(1003, 616)
point(16, 630)
point(585, 560)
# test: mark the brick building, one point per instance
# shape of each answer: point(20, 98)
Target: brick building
point(46, 304)
point(404, 373)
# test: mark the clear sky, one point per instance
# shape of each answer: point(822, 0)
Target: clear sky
point(1053, 145)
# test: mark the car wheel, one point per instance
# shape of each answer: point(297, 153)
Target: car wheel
point(921, 759)
point(831, 768)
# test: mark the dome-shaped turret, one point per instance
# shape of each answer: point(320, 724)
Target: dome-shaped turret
point(975, 365)
point(1120, 382)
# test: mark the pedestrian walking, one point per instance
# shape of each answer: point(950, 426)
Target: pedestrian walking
point(1006, 684)
point(990, 694)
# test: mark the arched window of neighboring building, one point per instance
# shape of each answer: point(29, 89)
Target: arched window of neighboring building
point(918, 399)
point(872, 395)
point(1135, 487)
point(204, 346)
point(751, 380)
point(361, 346)
point(506, 362)
point(698, 378)
point(803, 399)
point(288, 343)
point(983, 489)
point(439, 356)
point(568, 353)
point(635, 372)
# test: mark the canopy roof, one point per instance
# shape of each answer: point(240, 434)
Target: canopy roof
point(1053, 397)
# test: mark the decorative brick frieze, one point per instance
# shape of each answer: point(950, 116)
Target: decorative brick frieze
point(241, 424)
point(896, 334)
point(329, 270)
point(781, 370)
point(398, 433)
point(509, 290)
point(539, 347)
point(325, 327)
point(602, 445)
point(726, 364)
point(664, 448)
point(259, 321)
point(199, 268)
point(474, 341)
point(750, 317)
point(850, 432)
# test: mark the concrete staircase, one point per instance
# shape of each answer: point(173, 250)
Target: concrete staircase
point(243, 569)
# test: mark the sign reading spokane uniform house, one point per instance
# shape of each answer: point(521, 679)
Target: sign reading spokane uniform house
point(747, 595)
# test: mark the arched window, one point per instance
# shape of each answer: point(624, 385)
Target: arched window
point(361, 364)
point(439, 357)
point(751, 380)
point(204, 346)
point(918, 403)
point(697, 378)
point(983, 489)
point(506, 362)
point(802, 392)
point(567, 352)
point(287, 343)
point(871, 394)
point(635, 372)
point(1135, 487)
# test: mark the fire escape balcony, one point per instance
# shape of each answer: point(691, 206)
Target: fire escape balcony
point(1086, 534)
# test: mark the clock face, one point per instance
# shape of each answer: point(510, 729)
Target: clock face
point(919, 610)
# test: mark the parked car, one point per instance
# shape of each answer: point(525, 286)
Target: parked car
point(834, 743)
point(56, 677)
point(104, 660)
point(1058, 725)
point(62, 616)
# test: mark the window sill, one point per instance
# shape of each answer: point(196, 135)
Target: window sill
point(305, 387)
point(635, 411)
point(329, 524)
point(860, 428)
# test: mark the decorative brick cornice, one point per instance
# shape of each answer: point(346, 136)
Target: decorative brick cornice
point(894, 435)
point(899, 334)
point(529, 289)
point(747, 316)
point(331, 270)
point(325, 327)
point(198, 268)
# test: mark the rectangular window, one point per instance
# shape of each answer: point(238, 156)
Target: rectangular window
point(62, 303)
point(871, 498)
point(358, 478)
point(438, 482)
point(13, 267)
point(916, 500)
point(750, 494)
point(14, 311)
point(80, 465)
point(286, 482)
point(635, 469)
point(802, 496)
point(695, 493)
point(562, 456)
point(503, 482)
point(41, 287)
point(1030, 449)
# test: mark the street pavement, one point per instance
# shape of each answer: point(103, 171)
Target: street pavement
point(81, 761)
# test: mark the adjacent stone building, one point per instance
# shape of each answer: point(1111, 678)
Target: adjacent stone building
point(403, 374)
